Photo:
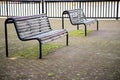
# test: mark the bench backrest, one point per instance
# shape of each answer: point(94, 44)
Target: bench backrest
point(29, 26)
point(76, 16)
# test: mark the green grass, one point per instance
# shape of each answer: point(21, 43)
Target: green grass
point(79, 32)
point(33, 52)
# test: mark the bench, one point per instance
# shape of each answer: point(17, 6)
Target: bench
point(77, 17)
point(36, 27)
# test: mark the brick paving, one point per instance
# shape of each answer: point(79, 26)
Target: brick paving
point(95, 57)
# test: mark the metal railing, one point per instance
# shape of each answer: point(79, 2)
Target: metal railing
point(54, 8)
point(18, 8)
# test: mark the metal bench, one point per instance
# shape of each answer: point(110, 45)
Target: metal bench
point(36, 27)
point(77, 17)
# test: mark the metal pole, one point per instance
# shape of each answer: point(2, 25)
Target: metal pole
point(42, 6)
point(40, 50)
point(117, 10)
point(85, 29)
point(39, 6)
point(62, 21)
point(46, 7)
point(67, 39)
point(7, 8)
point(77, 27)
point(97, 25)
point(6, 39)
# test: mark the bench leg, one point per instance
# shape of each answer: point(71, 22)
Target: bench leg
point(85, 29)
point(62, 22)
point(77, 27)
point(97, 26)
point(40, 50)
point(6, 40)
point(67, 39)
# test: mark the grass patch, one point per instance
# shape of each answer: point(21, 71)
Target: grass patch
point(79, 32)
point(33, 52)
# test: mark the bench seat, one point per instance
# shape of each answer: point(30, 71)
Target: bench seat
point(87, 22)
point(49, 36)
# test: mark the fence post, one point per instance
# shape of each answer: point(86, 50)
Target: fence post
point(7, 8)
point(42, 6)
point(117, 10)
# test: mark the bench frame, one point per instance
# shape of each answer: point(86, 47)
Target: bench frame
point(12, 20)
point(79, 23)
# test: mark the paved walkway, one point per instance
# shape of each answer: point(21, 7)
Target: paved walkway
point(95, 57)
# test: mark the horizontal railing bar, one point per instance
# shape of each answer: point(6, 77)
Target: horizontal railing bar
point(90, 17)
point(59, 0)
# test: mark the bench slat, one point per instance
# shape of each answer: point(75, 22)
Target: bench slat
point(32, 25)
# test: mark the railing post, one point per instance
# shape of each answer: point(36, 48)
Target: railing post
point(46, 8)
point(42, 6)
point(117, 10)
point(7, 8)
point(39, 6)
